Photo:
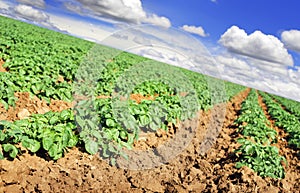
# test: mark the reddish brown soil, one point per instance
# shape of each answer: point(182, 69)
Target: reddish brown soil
point(193, 170)
point(2, 69)
point(138, 97)
point(25, 106)
point(60, 79)
point(149, 140)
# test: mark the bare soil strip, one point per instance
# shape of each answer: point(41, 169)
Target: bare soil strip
point(25, 106)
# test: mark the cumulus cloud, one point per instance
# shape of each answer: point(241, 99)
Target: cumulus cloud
point(273, 72)
point(142, 40)
point(4, 5)
point(30, 13)
point(294, 75)
point(157, 20)
point(164, 55)
point(35, 3)
point(121, 10)
point(256, 45)
point(95, 33)
point(268, 68)
point(260, 78)
point(195, 30)
point(291, 39)
point(74, 7)
point(6, 9)
point(232, 62)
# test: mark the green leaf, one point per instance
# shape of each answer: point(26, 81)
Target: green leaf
point(91, 147)
point(6, 106)
point(31, 144)
point(48, 142)
point(123, 134)
point(2, 136)
point(80, 121)
point(53, 150)
point(73, 141)
point(53, 120)
point(144, 119)
point(65, 115)
point(11, 149)
point(110, 123)
point(241, 140)
point(238, 165)
point(249, 150)
point(1, 156)
point(22, 123)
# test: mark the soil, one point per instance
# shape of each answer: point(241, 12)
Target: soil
point(26, 105)
point(2, 69)
point(205, 164)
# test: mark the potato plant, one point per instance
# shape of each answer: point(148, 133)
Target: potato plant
point(256, 151)
point(291, 106)
point(289, 122)
point(51, 132)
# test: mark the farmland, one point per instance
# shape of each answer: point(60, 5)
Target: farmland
point(70, 110)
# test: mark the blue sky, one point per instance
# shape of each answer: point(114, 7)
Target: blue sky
point(268, 16)
point(254, 43)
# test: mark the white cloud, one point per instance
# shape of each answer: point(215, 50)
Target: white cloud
point(256, 45)
point(80, 29)
point(259, 74)
point(262, 79)
point(232, 62)
point(71, 6)
point(142, 40)
point(164, 55)
point(268, 68)
point(148, 35)
point(120, 10)
point(291, 39)
point(166, 45)
point(4, 5)
point(35, 3)
point(6, 9)
point(157, 20)
point(31, 13)
point(290, 90)
point(294, 75)
point(195, 30)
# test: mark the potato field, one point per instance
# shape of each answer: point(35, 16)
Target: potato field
point(80, 117)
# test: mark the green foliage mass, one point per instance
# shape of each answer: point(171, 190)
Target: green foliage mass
point(256, 151)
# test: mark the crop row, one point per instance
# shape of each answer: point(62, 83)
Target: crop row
point(289, 122)
point(291, 106)
point(256, 151)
